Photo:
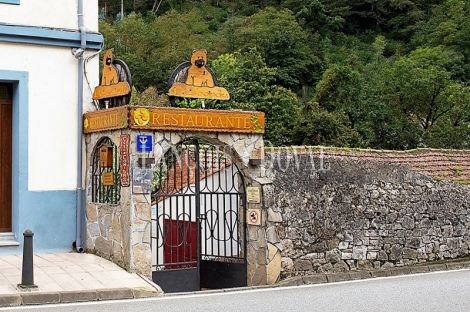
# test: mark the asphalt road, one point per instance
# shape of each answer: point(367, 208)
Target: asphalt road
point(438, 291)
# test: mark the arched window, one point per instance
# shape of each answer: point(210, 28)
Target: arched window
point(106, 177)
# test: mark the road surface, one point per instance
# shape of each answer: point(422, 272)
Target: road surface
point(437, 291)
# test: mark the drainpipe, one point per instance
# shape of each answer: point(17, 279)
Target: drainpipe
point(79, 192)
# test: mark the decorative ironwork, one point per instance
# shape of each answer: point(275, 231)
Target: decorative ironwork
point(101, 192)
point(221, 197)
point(198, 204)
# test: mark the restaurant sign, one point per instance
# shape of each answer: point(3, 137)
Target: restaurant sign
point(165, 118)
point(106, 119)
point(179, 119)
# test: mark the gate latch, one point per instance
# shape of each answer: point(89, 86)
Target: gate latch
point(202, 217)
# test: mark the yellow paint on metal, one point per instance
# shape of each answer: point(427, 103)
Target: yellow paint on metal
point(141, 116)
point(105, 92)
point(199, 82)
point(184, 90)
point(110, 85)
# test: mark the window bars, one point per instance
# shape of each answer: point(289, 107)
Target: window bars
point(106, 177)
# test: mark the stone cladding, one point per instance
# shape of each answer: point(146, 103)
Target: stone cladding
point(336, 210)
point(122, 232)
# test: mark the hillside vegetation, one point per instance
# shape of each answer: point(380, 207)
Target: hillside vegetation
point(382, 74)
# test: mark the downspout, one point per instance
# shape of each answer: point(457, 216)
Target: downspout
point(81, 64)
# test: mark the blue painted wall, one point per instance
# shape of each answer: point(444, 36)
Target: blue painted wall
point(10, 1)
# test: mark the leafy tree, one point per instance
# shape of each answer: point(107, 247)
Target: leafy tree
point(150, 46)
point(281, 107)
point(246, 77)
point(382, 126)
point(282, 43)
point(380, 123)
point(340, 89)
point(449, 26)
point(416, 85)
point(313, 16)
point(453, 131)
point(317, 126)
point(249, 82)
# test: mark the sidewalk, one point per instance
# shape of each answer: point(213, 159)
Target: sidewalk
point(70, 277)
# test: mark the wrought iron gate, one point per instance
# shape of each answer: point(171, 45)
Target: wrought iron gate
point(198, 226)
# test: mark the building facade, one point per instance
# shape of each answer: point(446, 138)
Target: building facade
point(48, 70)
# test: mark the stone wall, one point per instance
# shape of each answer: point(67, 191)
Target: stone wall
point(107, 232)
point(336, 211)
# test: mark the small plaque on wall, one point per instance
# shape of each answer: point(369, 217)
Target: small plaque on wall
point(253, 195)
point(108, 178)
point(142, 180)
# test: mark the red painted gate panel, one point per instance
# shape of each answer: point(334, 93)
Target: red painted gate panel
point(180, 244)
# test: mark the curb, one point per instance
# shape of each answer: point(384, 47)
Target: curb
point(320, 278)
point(37, 298)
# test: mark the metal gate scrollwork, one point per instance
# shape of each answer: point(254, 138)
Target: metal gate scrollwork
point(106, 176)
point(198, 226)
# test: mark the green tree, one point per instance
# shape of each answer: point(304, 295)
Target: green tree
point(312, 15)
point(317, 126)
point(150, 46)
point(340, 89)
point(449, 26)
point(281, 108)
point(453, 129)
point(249, 82)
point(283, 44)
point(381, 124)
point(416, 86)
point(246, 77)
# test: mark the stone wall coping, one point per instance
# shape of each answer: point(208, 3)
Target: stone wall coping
point(269, 149)
point(440, 164)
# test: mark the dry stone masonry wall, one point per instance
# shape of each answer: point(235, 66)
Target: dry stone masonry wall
point(336, 212)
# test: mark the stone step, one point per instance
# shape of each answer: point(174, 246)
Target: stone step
point(8, 239)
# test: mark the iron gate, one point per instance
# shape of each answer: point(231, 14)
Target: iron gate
point(198, 226)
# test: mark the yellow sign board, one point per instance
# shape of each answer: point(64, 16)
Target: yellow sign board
point(174, 119)
point(165, 118)
point(253, 195)
point(108, 178)
point(104, 92)
point(106, 119)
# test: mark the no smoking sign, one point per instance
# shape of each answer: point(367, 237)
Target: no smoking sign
point(253, 216)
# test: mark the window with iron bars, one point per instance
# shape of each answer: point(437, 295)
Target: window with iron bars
point(106, 177)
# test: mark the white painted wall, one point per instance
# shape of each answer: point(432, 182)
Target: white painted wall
point(52, 111)
point(50, 13)
point(53, 89)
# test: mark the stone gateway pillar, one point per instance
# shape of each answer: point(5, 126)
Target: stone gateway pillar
point(125, 145)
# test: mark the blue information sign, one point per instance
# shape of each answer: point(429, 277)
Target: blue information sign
point(144, 143)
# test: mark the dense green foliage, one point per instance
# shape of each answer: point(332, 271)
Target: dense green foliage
point(388, 74)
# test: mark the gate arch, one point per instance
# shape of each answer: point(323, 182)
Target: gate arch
point(198, 235)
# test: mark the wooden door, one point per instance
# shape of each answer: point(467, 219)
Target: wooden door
point(5, 157)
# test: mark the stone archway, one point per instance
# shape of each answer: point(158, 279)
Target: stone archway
point(121, 232)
